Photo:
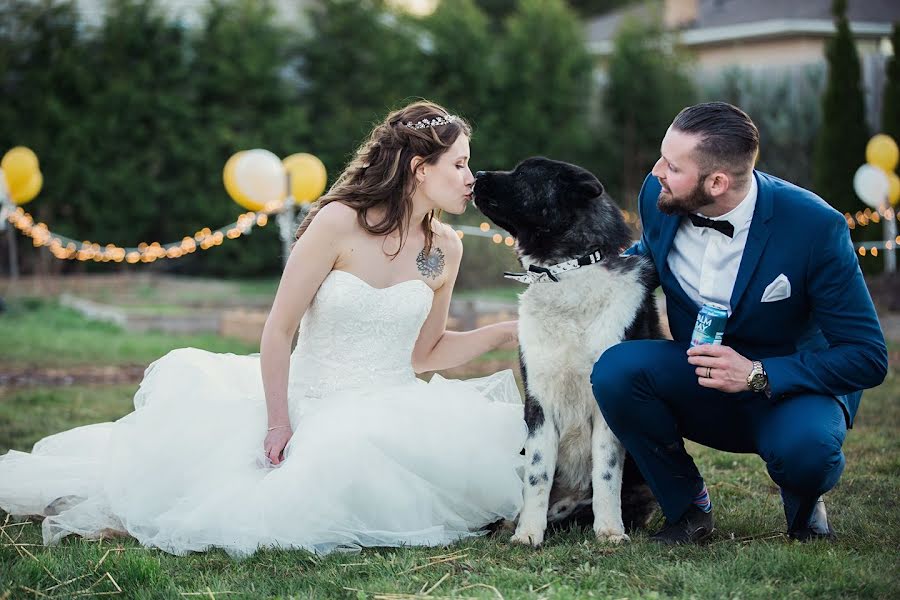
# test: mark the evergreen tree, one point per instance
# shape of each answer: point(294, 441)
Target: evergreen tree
point(45, 83)
point(890, 115)
point(841, 144)
point(241, 100)
point(544, 84)
point(496, 10)
point(360, 62)
point(648, 85)
point(133, 121)
point(133, 145)
point(587, 8)
point(462, 64)
point(786, 106)
point(500, 9)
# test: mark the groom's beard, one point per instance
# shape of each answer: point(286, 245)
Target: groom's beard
point(692, 203)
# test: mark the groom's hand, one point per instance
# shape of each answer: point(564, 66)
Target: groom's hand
point(720, 368)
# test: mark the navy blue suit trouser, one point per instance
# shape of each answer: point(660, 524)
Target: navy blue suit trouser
point(649, 395)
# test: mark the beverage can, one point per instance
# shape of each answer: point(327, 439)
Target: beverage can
point(710, 324)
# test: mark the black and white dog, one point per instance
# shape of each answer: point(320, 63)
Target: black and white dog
point(582, 298)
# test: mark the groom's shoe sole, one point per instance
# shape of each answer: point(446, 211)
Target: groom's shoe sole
point(699, 536)
point(808, 535)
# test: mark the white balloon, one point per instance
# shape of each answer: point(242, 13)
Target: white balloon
point(260, 175)
point(871, 185)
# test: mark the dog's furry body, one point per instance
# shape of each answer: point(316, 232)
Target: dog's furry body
point(573, 459)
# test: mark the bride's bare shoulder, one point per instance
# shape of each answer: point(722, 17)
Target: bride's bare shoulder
point(336, 217)
point(446, 236)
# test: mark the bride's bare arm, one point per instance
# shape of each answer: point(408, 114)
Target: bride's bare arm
point(311, 259)
point(438, 348)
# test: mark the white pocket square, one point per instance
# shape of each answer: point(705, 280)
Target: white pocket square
point(780, 289)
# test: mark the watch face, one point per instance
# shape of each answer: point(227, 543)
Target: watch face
point(758, 381)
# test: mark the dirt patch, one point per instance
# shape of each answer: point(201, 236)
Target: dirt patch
point(31, 375)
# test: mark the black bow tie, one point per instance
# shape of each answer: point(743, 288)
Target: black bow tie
point(720, 226)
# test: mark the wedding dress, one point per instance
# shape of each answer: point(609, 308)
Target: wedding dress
point(377, 458)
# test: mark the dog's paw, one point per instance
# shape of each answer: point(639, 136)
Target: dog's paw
point(611, 536)
point(528, 536)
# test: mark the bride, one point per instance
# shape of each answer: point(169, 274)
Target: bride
point(336, 445)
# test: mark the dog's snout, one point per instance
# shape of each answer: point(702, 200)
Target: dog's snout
point(480, 174)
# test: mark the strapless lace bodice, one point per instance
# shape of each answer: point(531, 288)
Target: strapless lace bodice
point(354, 335)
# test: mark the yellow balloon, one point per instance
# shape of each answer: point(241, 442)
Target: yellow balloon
point(232, 187)
point(26, 193)
point(308, 177)
point(893, 188)
point(882, 152)
point(19, 166)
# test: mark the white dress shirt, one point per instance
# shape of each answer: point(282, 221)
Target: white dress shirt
point(705, 261)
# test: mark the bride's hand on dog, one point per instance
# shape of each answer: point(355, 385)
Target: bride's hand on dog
point(275, 442)
point(720, 368)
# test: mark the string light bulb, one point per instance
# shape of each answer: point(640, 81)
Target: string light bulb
point(65, 248)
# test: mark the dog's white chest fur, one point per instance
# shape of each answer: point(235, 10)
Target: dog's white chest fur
point(564, 327)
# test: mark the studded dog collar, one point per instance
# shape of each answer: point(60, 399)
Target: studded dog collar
point(536, 274)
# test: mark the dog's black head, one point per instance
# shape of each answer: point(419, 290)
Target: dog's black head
point(555, 210)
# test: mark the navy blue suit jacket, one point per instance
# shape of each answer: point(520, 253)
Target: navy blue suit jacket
point(825, 338)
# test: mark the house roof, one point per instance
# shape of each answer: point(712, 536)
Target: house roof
point(716, 13)
point(727, 20)
point(603, 28)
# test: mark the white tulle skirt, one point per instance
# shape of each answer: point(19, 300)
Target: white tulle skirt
point(410, 464)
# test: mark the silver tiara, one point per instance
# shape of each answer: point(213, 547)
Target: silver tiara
point(426, 123)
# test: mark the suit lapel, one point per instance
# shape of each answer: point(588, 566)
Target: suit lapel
point(668, 229)
point(756, 239)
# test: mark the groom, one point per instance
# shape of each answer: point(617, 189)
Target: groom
point(801, 341)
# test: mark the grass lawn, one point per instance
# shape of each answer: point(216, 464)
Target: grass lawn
point(503, 294)
point(748, 557)
point(40, 332)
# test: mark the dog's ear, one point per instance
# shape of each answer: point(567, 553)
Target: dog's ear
point(584, 185)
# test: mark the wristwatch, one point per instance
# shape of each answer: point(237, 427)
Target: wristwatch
point(757, 380)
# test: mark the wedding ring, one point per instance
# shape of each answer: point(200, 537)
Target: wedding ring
point(708, 371)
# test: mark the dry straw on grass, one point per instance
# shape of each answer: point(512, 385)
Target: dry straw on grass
point(61, 588)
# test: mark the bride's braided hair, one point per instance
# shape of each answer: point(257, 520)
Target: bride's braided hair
point(380, 171)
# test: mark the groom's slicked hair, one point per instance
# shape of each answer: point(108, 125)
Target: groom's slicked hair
point(729, 140)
